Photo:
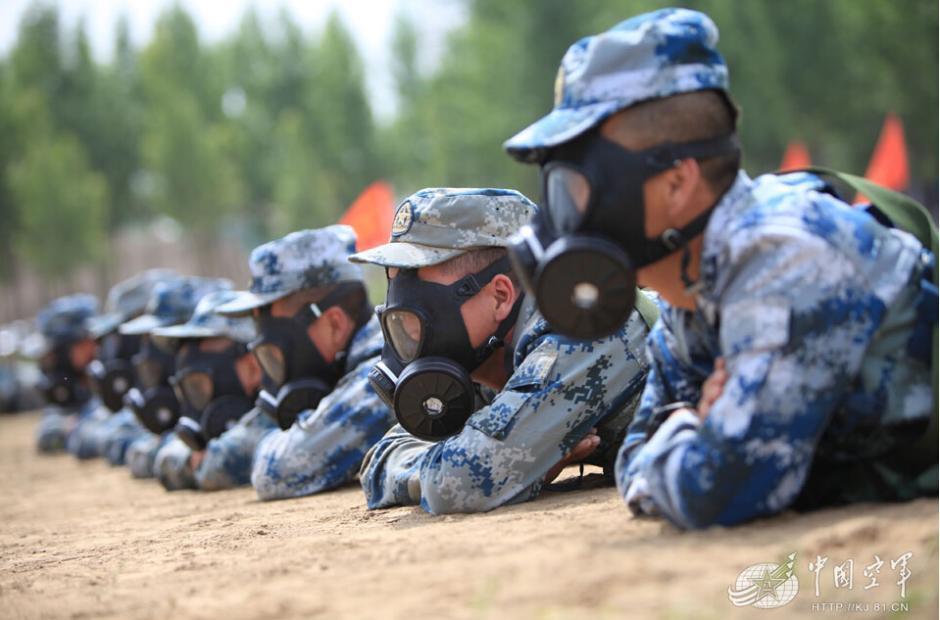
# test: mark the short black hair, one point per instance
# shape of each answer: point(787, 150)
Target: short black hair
point(476, 260)
point(352, 298)
point(686, 117)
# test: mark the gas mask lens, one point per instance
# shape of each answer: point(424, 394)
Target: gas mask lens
point(271, 359)
point(196, 389)
point(567, 193)
point(405, 330)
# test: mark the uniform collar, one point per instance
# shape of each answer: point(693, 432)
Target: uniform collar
point(723, 216)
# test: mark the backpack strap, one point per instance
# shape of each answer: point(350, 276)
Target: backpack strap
point(647, 308)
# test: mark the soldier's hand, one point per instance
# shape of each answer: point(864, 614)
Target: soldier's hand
point(195, 459)
point(712, 388)
point(581, 451)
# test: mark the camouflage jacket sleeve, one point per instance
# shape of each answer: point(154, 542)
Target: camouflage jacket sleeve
point(125, 431)
point(679, 361)
point(52, 431)
point(171, 465)
point(228, 458)
point(142, 453)
point(559, 390)
point(794, 321)
point(86, 439)
point(324, 448)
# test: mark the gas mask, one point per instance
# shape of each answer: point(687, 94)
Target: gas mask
point(111, 374)
point(60, 382)
point(211, 393)
point(298, 376)
point(424, 374)
point(152, 400)
point(578, 257)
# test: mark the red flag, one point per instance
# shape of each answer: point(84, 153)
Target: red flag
point(888, 165)
point(371, 215)
point(796, 157)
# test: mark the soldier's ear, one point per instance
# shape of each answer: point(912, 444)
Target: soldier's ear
point(331, 332)
point(682, 185)
point(504, 295)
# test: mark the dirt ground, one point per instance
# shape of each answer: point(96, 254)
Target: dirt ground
point(84, 540)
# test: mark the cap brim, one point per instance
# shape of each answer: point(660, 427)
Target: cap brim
point(557, 127)
point(405, 255)
point(143, 324)
point(104, 324)
point(185, 331)
point(248, 301)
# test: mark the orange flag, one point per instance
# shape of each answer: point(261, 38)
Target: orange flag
point(888, 165)
point(796, 157)
point(371, 215)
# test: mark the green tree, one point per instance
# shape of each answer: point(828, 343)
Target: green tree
point(186, 148)
point(8, 153)
point(304, 191)
point(339, 118)
point(61, 206)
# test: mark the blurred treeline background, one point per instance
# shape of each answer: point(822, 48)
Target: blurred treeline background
point(187, 153)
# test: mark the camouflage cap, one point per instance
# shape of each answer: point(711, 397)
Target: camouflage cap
point(126, 300)
point(301, 260)
point(649, 56)
point(64, 319)
point(173, 301)
point(206, 322)
point(434, 225)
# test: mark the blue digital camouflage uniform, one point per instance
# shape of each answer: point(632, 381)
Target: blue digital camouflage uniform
point(172, 301)
point(300, 260)
point(172, 464)
point(84, 442)
point(226, 463)
point(811, 303)
point(142, 453)
point(558, 391)
point(325, 447)
point(58, 424)
point(63, 319)
point(229, 457)
point(109, 433)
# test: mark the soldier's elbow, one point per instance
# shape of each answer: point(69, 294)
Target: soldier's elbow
point(440, 499)
point(268, 485)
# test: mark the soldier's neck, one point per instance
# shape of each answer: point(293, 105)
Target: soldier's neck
point(493, 372)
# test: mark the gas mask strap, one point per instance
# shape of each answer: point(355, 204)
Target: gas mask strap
point(498, 339)
point(510, 321)
point(687, 281)
point(673, 239)
point(473, 283)
point(718, 146)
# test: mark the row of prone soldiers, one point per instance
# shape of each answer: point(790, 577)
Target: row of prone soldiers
point(722, 347)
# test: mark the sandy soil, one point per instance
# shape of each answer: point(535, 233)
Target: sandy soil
point(83, 540)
